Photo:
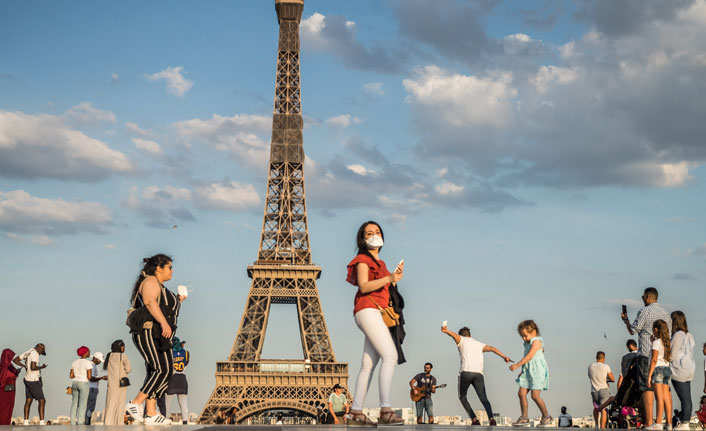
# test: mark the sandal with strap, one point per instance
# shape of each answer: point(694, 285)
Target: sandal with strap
point(388, 417)
point(358, 418)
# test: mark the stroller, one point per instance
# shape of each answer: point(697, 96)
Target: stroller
point(623, 412)
point(701, 412)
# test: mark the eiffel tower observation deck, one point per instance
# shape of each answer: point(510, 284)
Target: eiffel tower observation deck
point(283, 273)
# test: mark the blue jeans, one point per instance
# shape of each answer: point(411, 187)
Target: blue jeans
point(683, 390)
point(91, 404)
point(79, 396)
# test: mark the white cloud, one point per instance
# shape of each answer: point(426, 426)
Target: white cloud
point(311, 30)
point(547, 75)
point(86, 114)
point(460, 100)
point(698, 251)
point(21, 212)
point(373, 88)
point(360, 170)
point(518, 37)
point(226, 195)
point(448, 188)
point(238, 135)
point(149, 147)
point(343, 121)
point(134, 128)
point(114, 78)
point(43, 146)
point(177, 84)
point(41, 240)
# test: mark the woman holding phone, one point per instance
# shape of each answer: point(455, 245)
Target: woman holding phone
point(370, 275)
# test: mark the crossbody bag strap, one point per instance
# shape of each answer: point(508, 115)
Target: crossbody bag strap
point(376, 304)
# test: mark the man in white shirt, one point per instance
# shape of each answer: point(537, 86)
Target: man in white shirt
point(33, 379)
point(600, 376)
point(471, 373)
point(93, 386)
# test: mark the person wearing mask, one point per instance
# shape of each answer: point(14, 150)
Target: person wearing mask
point(372, 279)
point(117, 365)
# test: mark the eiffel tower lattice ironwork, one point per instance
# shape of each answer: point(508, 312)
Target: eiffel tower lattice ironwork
point(283, 272)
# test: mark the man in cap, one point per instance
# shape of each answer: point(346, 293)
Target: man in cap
point(338, 405)
point(93, 386)
point(33, 379)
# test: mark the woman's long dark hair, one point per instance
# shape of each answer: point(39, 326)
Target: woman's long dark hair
point(149, 266)
point(360, 239)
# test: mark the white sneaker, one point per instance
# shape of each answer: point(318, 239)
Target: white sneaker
point(41, 423)
point(667, 427)
point(683, 426)
point(157, 420)
point(655, 427)
point(26, 422)
point(135, 411)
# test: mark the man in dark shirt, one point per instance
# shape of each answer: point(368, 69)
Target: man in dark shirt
point(627, 360)
point(426, 384)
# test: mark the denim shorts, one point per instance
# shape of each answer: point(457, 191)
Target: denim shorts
point(662, 375)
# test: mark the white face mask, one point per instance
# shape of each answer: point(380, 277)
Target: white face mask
point(374, 241)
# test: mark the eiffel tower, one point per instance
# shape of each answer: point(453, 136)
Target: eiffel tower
point(283, 272)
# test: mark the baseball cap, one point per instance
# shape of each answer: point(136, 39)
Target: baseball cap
point(99, 356)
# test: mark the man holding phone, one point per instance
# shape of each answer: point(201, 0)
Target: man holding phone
point(642, 325)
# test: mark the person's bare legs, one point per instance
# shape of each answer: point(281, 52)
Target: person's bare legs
point(41, 409)
point(659, 394)
point(667, 397)
point(647, 400)
point(522, 394)
point(150, 404)
point(28, 404)
point(604, 418)
point(596, 417)
point(540, 402)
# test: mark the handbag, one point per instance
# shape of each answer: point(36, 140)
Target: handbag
point(389, 316)
point(124, 381)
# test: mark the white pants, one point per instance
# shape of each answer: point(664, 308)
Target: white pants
point(378, 345)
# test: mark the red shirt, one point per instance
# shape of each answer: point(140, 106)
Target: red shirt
point(376, 270)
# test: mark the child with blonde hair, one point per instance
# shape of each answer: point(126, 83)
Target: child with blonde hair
point(534, 376)
point(660, 374)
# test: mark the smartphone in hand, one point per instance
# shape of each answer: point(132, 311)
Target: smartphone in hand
point(625, 309)
point(399, 266)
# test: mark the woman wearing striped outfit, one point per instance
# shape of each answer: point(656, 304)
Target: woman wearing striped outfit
point(153, 341)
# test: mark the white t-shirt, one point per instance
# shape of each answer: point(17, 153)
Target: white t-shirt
point(28, 357)
point(471, 353)
point(598, 375)
point(80, 367)
point(659, 347)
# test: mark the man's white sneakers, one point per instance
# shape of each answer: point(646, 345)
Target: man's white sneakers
point(683, 426)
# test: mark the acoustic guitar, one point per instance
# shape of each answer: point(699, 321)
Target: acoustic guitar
point(421, 392)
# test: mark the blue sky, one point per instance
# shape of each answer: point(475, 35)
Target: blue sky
point(528, 160)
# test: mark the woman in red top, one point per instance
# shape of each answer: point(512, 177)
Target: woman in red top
point(372, 278)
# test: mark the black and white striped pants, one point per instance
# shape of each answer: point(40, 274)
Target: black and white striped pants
point(159, 365)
